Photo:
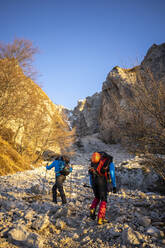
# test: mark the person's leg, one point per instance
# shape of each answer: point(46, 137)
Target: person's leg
point(54, 192)
point(95, 202)
point(60, 181)
point(96, 199)
point(102, 212)
point(93, 207)
point(103, 200)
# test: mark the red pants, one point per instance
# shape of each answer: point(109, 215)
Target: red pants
point(99, 185)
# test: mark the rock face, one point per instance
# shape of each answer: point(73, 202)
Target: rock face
point(117, 90)
point(86, 115)
point(155, 61)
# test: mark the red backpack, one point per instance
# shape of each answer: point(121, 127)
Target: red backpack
point(102, 167)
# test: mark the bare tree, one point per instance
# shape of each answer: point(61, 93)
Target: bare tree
point(22, 51)
point(13, 81)
point(143, 128)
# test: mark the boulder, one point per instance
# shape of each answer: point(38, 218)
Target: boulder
point(20, 236)
point(131, 237)
point(41, 222)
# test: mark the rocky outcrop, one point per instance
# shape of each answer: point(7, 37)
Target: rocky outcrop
point(85, 116)
point(117, 91)
point(154, 61)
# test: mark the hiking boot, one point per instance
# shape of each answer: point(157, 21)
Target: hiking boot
point(64, 202)
point(92, 213)
point(102, 221)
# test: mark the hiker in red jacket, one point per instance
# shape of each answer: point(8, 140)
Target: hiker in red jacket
point(101, 170)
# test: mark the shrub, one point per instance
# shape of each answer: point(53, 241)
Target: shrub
point(155, 162)
point(7, 134)
point(10, 161)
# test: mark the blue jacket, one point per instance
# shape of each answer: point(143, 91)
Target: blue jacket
point(58, 166)
point(112, 174)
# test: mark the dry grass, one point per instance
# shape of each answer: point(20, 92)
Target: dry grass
point(10, 161)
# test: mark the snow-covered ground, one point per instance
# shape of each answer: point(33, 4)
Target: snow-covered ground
point(29, 218)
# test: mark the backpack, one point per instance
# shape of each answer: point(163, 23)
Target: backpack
point(102, 167)
point(66, 169)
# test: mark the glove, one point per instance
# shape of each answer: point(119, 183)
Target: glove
point(114, 189)
point(86, 185)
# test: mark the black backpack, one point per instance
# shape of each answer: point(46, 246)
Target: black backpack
point(66, 170)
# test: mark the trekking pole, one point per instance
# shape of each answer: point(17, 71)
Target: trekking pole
point(44, 181)
point(70, 186)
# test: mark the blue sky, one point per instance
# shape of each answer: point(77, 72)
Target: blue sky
point(80, 41)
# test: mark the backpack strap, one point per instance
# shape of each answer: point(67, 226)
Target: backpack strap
point(99, 167)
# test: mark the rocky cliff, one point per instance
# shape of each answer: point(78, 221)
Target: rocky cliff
point(85, 116)
point(117, 90)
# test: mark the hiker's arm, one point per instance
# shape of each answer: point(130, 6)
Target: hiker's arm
point(112, 174)
point(70, 168)
point(49, 167)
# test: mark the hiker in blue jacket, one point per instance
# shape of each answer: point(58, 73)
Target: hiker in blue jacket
point(59, 165)
point(101, 171)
